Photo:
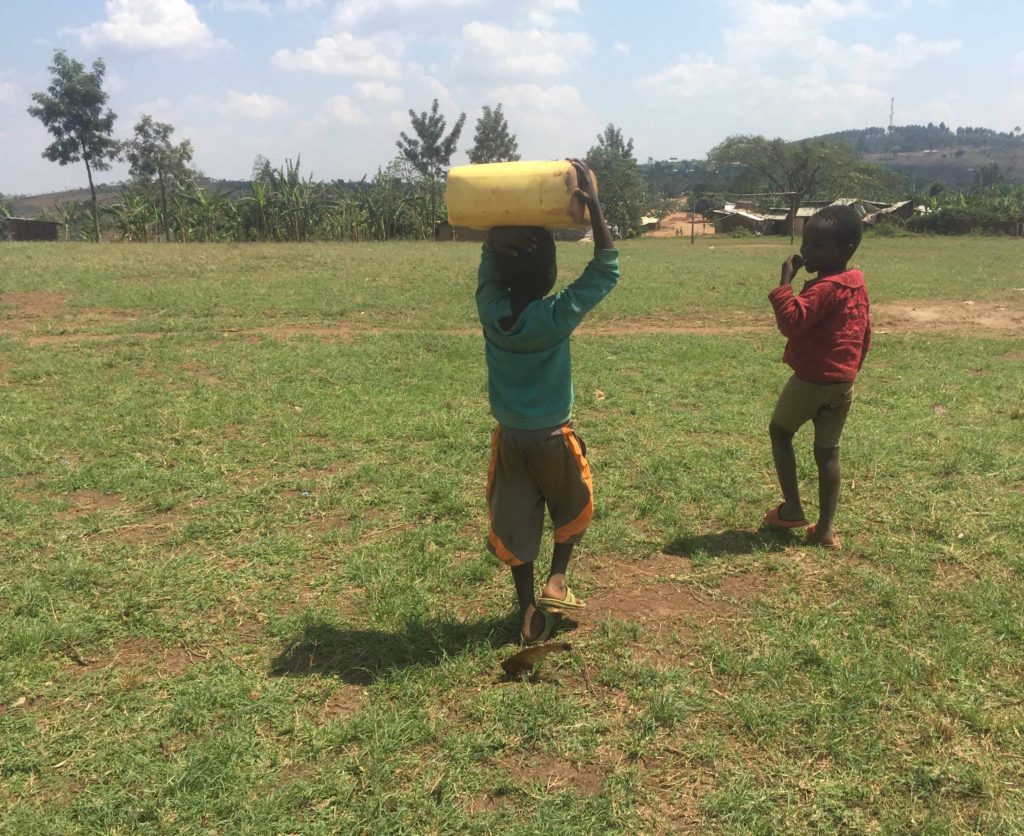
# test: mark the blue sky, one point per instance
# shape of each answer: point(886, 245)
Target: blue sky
point(332, 80)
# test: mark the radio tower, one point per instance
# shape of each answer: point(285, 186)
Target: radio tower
point(892, 108)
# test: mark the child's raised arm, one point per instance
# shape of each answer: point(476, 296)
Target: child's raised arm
point(587, 192)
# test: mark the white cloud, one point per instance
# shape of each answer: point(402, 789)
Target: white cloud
point(838, 77)
point(691, 77)
point(160, 109)
point(149, 24)
point(906, 53)
point(378, 91)
point(342, 109)
point(346, 54)
point(550, 122)
point(257, 6)
point(350, 13)
point(525, 52)
point(625, 49)
point(254, 105)
point(301, 5)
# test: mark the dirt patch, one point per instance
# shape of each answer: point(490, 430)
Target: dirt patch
point(667, 597)
point(730, 322)
point(336, 332)
point(328, 522)
point(951, 317)
point(344, 702)
point(79, 338)
point(108, 316)
point(1012, 357)
point(896, 317)
point(84, 503)
point(45, 319)
point(678, 224)
point(200, 374)
point(154, 530)
point(335, 469)
point(141, 657)
point(32, 304)
point(553, 774)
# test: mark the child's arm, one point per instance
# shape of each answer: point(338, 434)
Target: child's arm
point(867, 343)
point(794, 313)
point(587, 192)
point(489, 290)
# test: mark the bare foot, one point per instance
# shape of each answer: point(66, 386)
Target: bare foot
point(826, 537)
point(554, 589)
point(533, 624)
point(790, 514)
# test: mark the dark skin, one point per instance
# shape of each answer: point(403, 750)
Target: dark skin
point(822, 254)
point(511, 241)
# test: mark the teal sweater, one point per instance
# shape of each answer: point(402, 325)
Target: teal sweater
point(529, 371)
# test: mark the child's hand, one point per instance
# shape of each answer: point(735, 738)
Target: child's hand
point(790, 267)
point(511, 240)
point(585, 190)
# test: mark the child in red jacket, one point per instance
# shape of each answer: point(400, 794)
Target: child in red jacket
point(829, 330)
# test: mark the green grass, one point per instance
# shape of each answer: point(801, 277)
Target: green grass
point(243, 589)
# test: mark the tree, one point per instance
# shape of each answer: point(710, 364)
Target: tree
point(153, 157)
point(623, 192)
point(430, 152)
point(72, 110)
point(804, 168)
point(492, 142)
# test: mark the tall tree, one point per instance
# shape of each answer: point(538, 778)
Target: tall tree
point(157, 162)
point(72, 109)
point(430, 151)
point(492, 142)
point(808, 167)
point(623, 192)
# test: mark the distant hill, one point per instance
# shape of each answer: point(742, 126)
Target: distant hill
point(925, 153)
point(31, 206)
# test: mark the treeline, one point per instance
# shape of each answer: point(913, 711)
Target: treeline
point(279, 205)
point(907, 138)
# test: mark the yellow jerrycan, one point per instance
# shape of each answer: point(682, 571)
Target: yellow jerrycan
point(521, 193)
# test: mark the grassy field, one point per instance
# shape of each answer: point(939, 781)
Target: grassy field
point(243, 585)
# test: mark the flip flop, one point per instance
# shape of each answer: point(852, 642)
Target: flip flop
point(835, 544)
point(543, 635)
point(569, 602)
point(773, 520)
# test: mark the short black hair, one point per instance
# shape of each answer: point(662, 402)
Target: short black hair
point(530, 275)
point(844, 222)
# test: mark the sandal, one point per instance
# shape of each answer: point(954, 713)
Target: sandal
point(773, 520)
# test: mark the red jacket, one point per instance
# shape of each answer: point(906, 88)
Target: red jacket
point(828, 326)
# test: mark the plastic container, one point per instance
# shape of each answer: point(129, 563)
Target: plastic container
point(515, 194)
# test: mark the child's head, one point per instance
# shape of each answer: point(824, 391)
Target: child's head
point(531, 274)
point(831, 237)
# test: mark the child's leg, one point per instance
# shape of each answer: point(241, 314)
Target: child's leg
point(785, 466)
point(565, 477)
point(827, 459)
point(828, 429)
point(532, 618)
point(560, 557)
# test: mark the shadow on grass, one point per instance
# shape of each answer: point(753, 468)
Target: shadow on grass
point(360, 657)
point(733, 541)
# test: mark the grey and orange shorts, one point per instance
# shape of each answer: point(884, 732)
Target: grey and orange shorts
point(530, 471)
point(825, 404)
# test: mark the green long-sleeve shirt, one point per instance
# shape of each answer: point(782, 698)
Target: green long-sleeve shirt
point(529, 369)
